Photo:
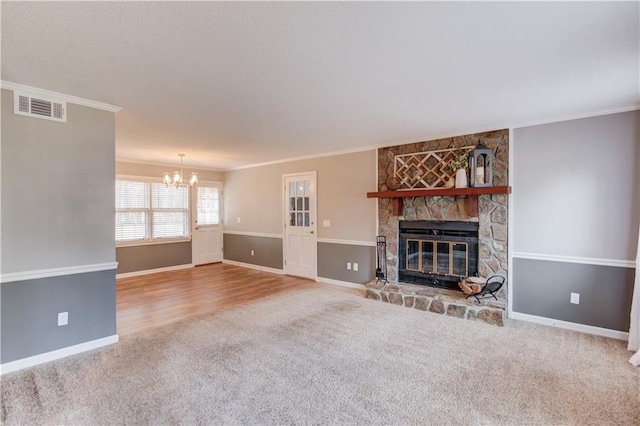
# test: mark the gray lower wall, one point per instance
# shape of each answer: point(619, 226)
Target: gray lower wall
point(267, 251)
point(30, 308)
point(333, 258)
point(152, 256)
point(543, 288)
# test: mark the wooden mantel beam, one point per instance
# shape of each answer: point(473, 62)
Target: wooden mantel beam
point(397, 197)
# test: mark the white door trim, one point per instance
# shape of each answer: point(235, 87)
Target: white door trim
point(284, 201)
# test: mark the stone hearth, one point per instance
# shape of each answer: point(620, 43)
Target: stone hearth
point(439, 301)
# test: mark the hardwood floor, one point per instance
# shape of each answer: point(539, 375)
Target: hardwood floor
point(155, 300)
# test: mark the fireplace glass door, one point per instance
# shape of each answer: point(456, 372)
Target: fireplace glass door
point(437, 257)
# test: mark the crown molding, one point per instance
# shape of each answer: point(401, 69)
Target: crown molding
point(307, 157)
point(167, 165)
point(8, 85)
point(576, 117)
point(508, 125)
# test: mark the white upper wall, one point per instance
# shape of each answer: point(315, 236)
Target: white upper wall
point(256, 196)
point(576, 187)
point(57, 189)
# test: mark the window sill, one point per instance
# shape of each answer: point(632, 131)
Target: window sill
point(152, 242)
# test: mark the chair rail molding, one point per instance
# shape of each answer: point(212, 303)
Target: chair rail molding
point(56, 272)
point(575, 259)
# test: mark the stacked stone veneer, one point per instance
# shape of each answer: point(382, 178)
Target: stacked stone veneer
point(492, 209)
point(439, 301)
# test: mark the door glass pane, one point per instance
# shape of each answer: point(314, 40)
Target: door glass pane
point(413, 260)
point(427, 256)
point(207, 206)
point(299, 203)
point(443, 258)
point(460, 259)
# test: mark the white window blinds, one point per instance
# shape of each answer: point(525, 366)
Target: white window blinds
point(170, 211)
point(133, 199)
point(147, 210)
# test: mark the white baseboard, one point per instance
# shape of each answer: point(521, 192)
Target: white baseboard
point(252, 266)
point(154, 271)
point(589, 329)
point(9, 367)
point(340, 283)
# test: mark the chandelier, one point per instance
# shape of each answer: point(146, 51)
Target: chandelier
point(177, 180)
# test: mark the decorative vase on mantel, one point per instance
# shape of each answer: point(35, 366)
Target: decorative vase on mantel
point(461, 178)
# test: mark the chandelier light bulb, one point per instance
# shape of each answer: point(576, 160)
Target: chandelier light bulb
point(177, 180)
point(167, 178)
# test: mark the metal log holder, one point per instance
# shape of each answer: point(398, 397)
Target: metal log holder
point(381, 259)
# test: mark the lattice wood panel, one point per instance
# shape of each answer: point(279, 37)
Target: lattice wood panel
point(429, 169)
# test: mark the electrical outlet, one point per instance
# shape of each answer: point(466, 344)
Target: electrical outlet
point(355, 266)
point(575, 298)
point(63, 318)
point(326, 223)
point(238, 220)
point(348, 266)
point(252, 252)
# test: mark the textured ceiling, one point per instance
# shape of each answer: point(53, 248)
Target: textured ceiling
point(232, 84)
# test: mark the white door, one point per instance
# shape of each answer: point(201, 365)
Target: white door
point(206, 241)
point(300, 245)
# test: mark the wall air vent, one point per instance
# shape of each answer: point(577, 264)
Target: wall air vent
point(49, 109)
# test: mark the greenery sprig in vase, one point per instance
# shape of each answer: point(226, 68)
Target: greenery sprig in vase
point(460, 160)
point(459, 166)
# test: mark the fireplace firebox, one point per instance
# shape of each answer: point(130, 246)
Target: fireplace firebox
point(437, 253)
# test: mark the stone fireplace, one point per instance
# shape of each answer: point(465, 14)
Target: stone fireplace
point(490, 223)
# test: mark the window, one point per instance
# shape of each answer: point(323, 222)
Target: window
point(208, 206)
point(147, 210)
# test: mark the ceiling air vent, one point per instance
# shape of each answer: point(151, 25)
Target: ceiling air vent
point(24, 104)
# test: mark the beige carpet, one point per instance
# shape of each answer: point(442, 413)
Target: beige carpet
point(324, 356)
